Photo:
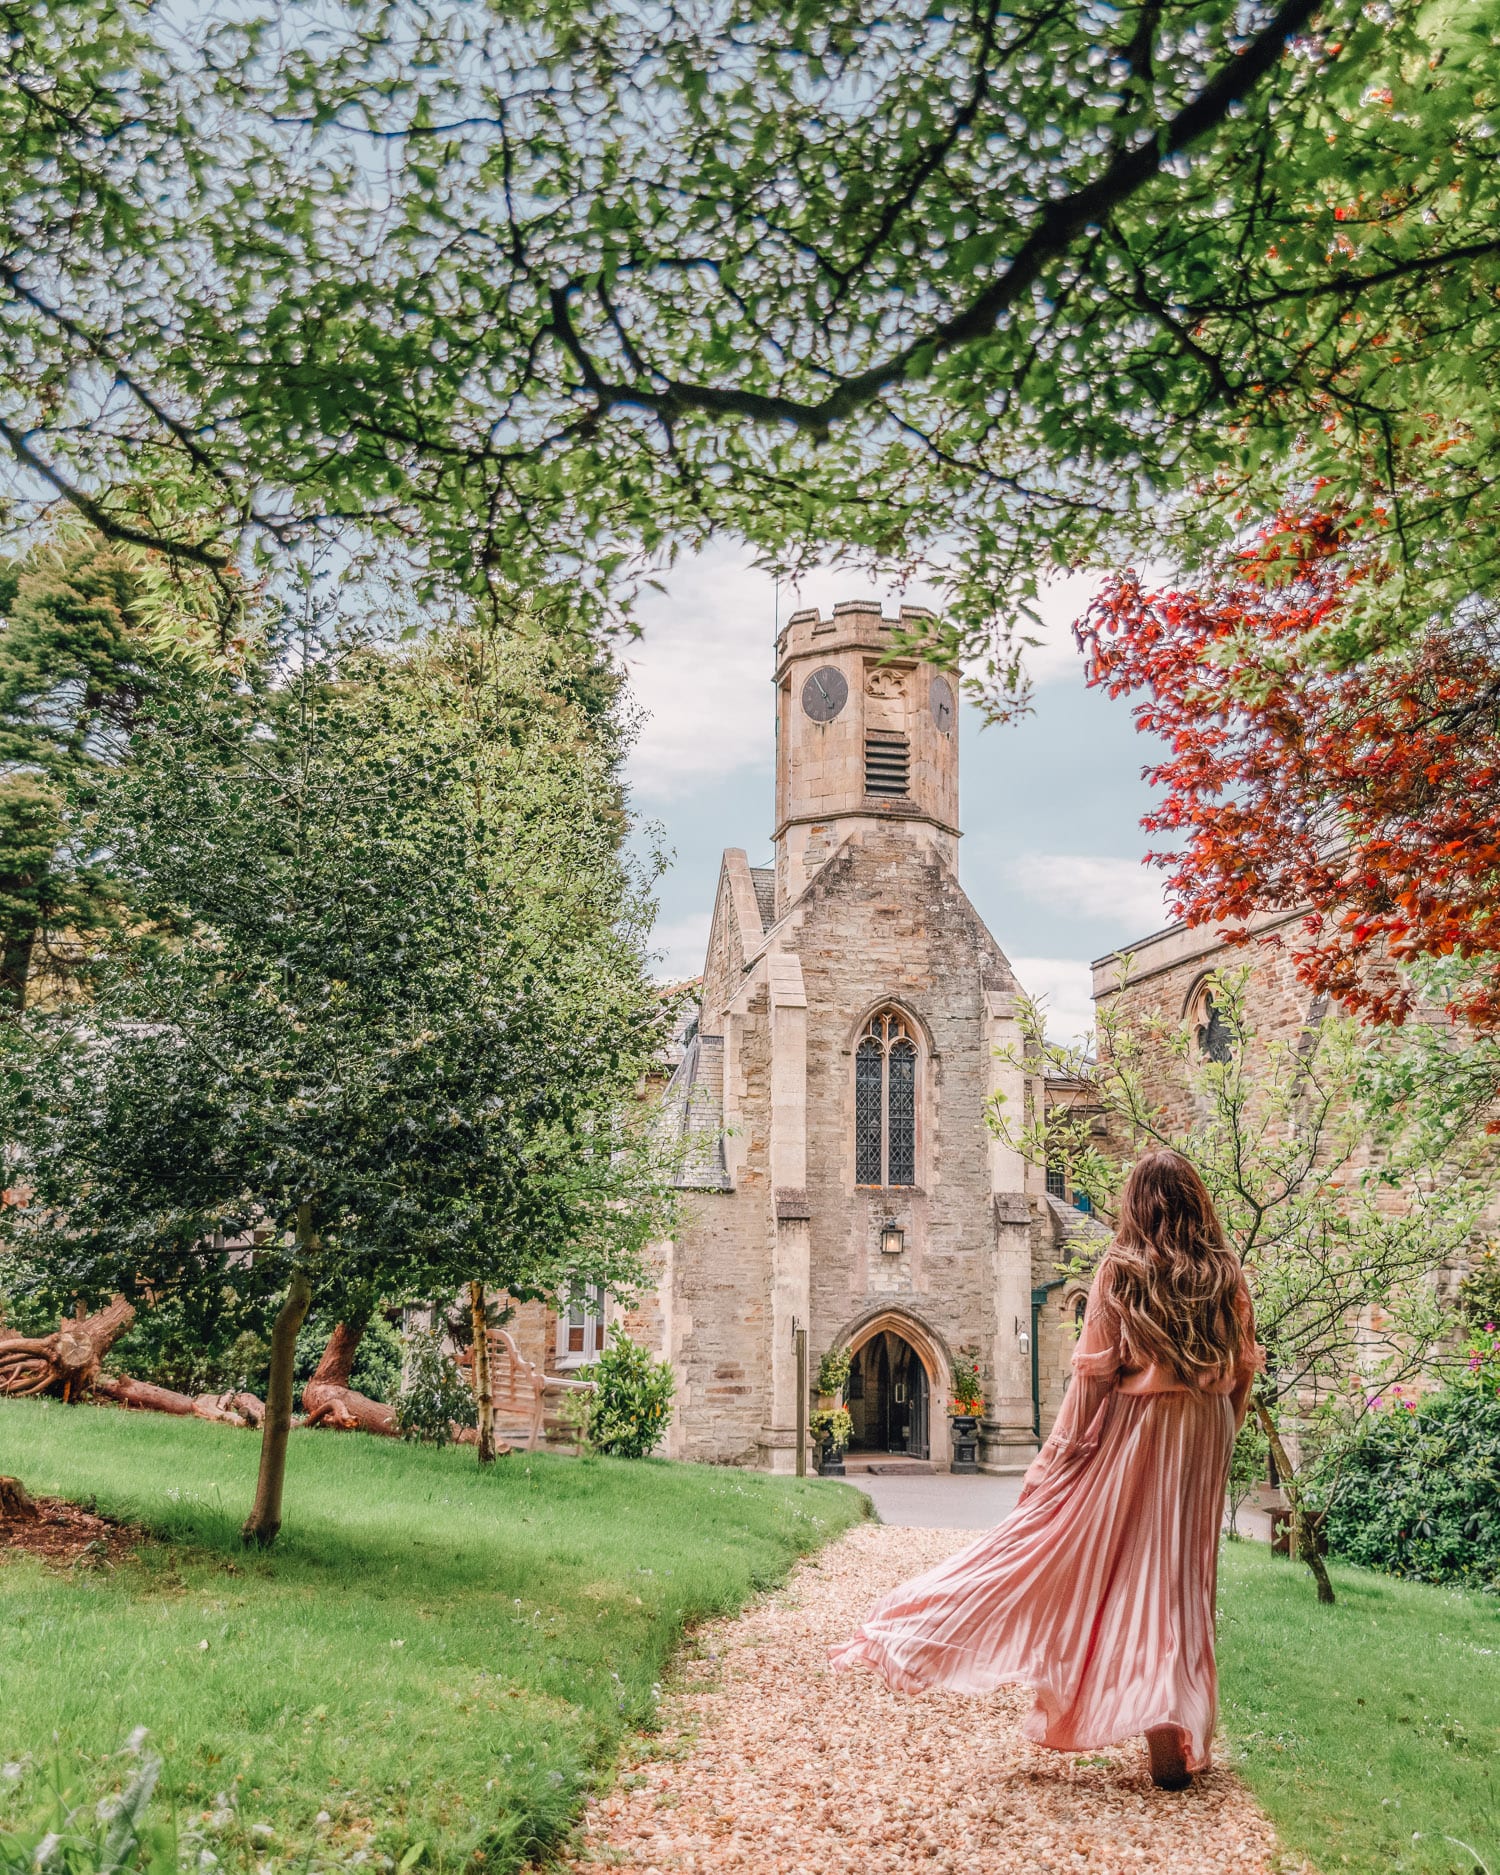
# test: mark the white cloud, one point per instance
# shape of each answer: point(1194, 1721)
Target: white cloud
point(703, 673)
point(1063, 987)
point(1055, 657)
point(703, 669)
point(680, 944)
point(1124, 893)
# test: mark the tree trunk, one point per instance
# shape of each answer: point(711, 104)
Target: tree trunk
point(144, 1396)
point(264, 1521)
point(484, 1393)
point(16, 1501)
point(337, 1364)
point(249, 1407)
point(1304, 1544)
point(329, 1400)
point(66, 1362)
point(15, 966)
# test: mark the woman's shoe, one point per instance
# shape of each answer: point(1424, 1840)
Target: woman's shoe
point(1169, 1769)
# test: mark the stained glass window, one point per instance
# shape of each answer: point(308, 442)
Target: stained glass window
point(885, 1104)
point(869, 1066)
point(901, 1152)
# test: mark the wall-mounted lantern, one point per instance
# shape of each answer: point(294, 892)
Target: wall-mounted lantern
point(892, 1240)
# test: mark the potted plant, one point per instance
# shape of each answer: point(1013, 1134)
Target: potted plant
point(831, 1428)
point(964, 1409)
point(830, 1424)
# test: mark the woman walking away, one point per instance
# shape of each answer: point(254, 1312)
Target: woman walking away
point(1098, 1590)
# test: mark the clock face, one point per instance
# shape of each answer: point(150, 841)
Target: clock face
point(941, 698)
point(824, 694)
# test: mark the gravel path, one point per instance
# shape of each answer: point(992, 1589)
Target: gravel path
point(768, 1762)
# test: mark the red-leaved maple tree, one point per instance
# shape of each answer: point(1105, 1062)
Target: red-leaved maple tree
point(1366, 796)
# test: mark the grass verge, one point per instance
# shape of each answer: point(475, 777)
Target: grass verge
point(424, 1672)
point(1370, 1731)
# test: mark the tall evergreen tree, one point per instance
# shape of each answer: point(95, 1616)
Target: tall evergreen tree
point(84, 627)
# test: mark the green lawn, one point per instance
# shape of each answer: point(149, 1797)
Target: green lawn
point(436, 1657)
point(1370, 1730)
point(430, 1655)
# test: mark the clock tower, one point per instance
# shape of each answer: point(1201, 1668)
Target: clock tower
point(863, 739)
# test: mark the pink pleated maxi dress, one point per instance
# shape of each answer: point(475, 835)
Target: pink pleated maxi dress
point(1098, 1590)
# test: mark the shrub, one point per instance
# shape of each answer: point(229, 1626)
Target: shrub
point(1416, 1492)
point(968, 1393)
point(435, 1396)
point(1479, 1292)
point(833, 1371)
point(832, 1426)
point(199, 1344)
point(632, 1400)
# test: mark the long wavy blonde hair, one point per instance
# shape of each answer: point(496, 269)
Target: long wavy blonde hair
point(1171, 1276)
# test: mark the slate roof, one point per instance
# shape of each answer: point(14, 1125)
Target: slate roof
point(694, 1105)
point(1075, 1233)
point(763, 878)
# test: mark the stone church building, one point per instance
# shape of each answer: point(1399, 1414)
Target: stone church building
point(855, 1017)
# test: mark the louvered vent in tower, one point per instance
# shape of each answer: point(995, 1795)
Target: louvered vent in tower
point(887, 762)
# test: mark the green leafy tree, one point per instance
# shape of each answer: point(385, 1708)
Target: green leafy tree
point(382, 1001)
point(1002, 288)
point(84, 627)
point(1247, 1468)
point(1343, 1215)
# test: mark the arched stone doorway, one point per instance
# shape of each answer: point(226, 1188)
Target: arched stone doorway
point(896, 1390)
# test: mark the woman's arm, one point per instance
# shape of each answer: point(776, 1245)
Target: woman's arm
point(1096, 1370)
point(1252, 1356)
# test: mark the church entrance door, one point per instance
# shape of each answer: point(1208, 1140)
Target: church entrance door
point(889, 1398)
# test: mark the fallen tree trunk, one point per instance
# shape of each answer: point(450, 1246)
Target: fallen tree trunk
point(328, 1399)
point(146, 1397)
point(66, 1362)
point(249, 1406)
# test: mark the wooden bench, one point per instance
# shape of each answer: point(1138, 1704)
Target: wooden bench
point(520, 1388)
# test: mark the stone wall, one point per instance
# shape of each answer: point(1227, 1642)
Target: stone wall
point(887, 922)
point(736, 924)
point(1164, 974)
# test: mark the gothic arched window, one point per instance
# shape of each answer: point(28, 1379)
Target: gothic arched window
point(885, 1102)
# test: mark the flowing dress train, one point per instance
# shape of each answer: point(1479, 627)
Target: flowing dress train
point(1098, 1590)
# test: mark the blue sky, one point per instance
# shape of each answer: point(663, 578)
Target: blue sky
point(1050, 807)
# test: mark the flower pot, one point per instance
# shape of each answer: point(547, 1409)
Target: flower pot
point(965, 1430)
point(831, 1461)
